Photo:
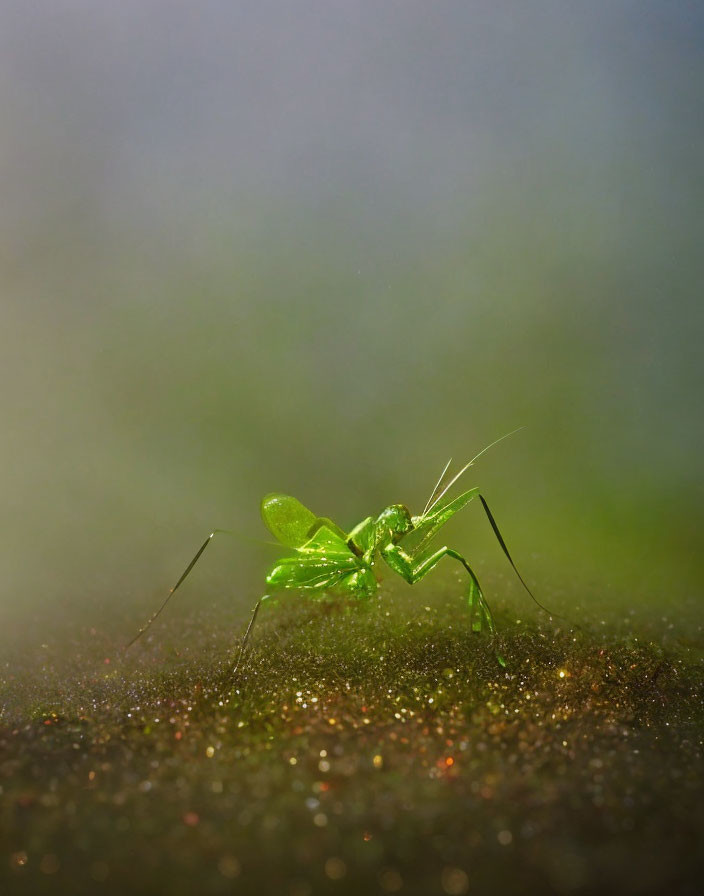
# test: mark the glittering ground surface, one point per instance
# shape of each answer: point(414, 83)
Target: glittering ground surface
point(375, 750)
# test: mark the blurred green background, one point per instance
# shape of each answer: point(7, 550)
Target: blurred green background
point(322, 247)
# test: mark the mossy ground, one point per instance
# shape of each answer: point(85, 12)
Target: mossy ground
point(379, 749)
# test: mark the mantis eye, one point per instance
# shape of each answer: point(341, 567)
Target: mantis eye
point(397, 519)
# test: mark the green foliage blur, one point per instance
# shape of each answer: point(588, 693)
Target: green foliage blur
point(262, 251)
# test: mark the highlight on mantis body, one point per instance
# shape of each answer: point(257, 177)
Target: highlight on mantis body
point(325, 558)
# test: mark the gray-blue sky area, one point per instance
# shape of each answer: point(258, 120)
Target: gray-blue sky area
point(247, 242)
point(411, 101)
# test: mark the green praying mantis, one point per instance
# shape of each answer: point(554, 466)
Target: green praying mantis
point(325, 558)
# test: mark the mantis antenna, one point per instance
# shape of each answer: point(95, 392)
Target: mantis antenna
point(466, 467)
point(437, 486)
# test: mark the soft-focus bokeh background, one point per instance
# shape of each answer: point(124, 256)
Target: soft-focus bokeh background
point(321, 247)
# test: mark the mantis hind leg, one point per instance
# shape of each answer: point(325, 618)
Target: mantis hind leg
point(358, 585)
point(502, 543)
point(233, 669)
point(174, 589)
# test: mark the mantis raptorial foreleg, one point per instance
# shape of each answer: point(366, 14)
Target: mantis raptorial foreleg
point(427, 527)
point(413, 568)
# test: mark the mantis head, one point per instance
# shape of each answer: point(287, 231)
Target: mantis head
point(397, 520)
